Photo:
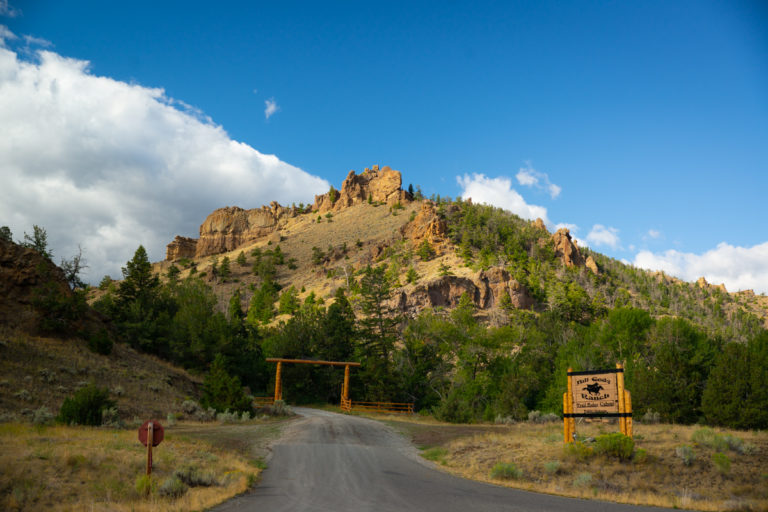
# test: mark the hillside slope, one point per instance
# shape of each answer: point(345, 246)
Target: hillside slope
point(491, 255)
point(44, 356)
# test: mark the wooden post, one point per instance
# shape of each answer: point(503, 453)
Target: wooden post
point(628, 406)
point(571, 422)
point(150, 441)
point(622, 408)
point(566, 429)
point(278, 382)
point(345, 389)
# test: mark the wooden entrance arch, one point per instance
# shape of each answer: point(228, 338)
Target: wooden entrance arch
point(278, 373)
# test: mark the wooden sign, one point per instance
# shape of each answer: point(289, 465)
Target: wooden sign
point(595, 392)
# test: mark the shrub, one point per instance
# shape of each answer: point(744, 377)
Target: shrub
point(189, 406)
point(145, 485)
point(582, 479)
point(194, 477)
point(651, 417)
point(100, 342)
point(552, 467)
point(685, 452)
point(708, 437)
point(172, 487)
point(579, 451)
point(110, 418)
point(86, 406)
point(506, 471)
point(721, 462)
point(640, 456)
point(539, 417)
point(42, 416)
point(435, 454)
point(615, 445)
point(228, 417)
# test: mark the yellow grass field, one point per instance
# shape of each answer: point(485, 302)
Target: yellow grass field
point(82, 468)
point(725, 469)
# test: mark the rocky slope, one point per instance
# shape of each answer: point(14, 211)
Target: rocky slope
point(369, 219)
point(40, 369)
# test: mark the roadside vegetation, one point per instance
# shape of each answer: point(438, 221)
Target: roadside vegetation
point(675, 466)
point(89, 468)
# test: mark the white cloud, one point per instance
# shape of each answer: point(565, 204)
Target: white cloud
point(739, 268)
point(6, 35)
point(602, 235)
point(526, 177)
point(530, 177)
point(37, 41)
point(499, 192)
point(652, 233)
point(7, 10)
point(270, 107)
point(111, 165)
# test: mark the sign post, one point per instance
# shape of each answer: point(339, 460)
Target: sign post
point(596, 394)
point(151, 434)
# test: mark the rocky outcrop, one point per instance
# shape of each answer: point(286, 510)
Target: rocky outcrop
point(592, 265)
point(228, 228)
point(26, 277)
point(379, 185)
point(181, 247)
point(485, 289)
point(702, 283)
point(539, 224)
point(565, 249)
point(426, 225)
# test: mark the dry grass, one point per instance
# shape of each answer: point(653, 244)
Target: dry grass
point(658, 477)
point(40, 371)
point(78, 468)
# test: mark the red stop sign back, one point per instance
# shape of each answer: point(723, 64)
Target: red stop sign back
point(157, 433)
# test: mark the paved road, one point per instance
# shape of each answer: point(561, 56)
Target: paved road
point(333, 462)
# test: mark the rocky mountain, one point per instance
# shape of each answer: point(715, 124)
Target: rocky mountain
point(370, 219)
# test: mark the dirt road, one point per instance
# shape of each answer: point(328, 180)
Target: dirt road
point(333, 462)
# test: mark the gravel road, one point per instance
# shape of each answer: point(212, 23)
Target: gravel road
point(333, 462)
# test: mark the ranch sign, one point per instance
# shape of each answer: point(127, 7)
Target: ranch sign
point(596, 394)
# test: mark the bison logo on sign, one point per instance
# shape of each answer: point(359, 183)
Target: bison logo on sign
point(594, 389)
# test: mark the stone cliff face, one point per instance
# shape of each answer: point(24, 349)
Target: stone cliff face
point(566, 250)
point(426, 225)
point(379, 185)
point(228, 228)
point(181, 247)
point(485, 289)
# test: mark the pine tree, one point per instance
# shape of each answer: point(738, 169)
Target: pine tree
point(224, 268)
point(223, 391)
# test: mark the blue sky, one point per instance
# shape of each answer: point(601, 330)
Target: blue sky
point(642, 126)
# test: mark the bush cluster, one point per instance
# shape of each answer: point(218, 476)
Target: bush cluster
point(86, 406)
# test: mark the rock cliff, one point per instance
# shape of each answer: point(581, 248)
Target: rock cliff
point(485, 289)
point(228, 228)
point(379, 185)
point(566, 250)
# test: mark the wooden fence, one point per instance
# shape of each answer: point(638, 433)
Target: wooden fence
point(388, 407)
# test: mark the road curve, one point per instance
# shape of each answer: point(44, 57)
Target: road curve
point(334, 462)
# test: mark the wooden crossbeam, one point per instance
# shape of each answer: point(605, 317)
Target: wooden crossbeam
point(311, 361)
